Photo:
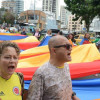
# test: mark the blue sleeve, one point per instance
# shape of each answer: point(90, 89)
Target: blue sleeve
point(82, 42)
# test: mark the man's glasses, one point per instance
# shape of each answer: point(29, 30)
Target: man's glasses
point(67, 46)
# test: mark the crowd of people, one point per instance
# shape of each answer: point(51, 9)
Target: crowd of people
point(70, 37)
point(6, 29)
point(37, 33)
point(48, 82)
point(51, 81)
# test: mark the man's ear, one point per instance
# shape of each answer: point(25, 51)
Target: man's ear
point(53, 50)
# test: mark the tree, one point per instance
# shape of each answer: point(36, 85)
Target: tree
point(6, 16)
point(2, 11)
point(96, 6)
point(82, 9)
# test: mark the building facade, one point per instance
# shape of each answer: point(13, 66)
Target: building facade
point(96, 25)
point(74, 26)
point(47, 5)
point(63, 14)
point(10, 5)
point(19, 6)
point(15, 6)
point(38, 18)
point(51, 23)
point(55, 8)
point(51, 6)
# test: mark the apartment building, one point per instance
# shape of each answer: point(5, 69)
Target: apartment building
point(74, 26)
point(15, 6)
point(37, 17)
point(10, 5)
point(51, 6)
point(63, 14)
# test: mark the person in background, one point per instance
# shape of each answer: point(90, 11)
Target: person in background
point(7, 30)
point(71, 39)
point(11, 83)
point(71, 36)
point(37, 34)
point(13, 31)
point(2, 30)
point(23, 31)
point(86, 39)
point(49, 33)
point(52, 81)
point(60, 33)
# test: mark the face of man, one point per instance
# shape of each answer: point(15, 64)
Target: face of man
point(63, 50)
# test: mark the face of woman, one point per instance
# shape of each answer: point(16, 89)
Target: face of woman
point(8, 61)
point(49, 32)
point(70, 36)
point(87, 36)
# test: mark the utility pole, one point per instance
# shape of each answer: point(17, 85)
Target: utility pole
point(34, 10)
point(31, 7)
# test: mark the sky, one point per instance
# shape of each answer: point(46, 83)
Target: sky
point(38, 4)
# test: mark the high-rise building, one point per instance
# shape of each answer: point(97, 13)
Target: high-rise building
point(47, 5)
point(9, 5)
point(17, 6)
point(50, 21)
point(51, 6)
point(55, 8)
point(63, 13)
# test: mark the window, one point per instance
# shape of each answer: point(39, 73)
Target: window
point(42, 18)
point(36, 17)
point(30, 17)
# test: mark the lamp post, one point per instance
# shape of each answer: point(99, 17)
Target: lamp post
point(15, 19)
point(34, 10)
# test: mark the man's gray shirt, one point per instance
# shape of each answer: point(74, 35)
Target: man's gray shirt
point(51, 83)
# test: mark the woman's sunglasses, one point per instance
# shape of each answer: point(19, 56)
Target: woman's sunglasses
point(67, 46)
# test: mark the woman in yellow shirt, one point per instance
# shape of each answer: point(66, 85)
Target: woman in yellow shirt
point(11, 83)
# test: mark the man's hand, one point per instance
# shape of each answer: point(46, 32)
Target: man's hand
point(75, 98)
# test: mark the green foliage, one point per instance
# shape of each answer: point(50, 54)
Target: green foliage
point(6, 16)
point(86, 9)
point(96, 5)
point(29, 34)
point(2, 9)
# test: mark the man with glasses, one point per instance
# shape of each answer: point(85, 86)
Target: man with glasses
point(52, 81)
